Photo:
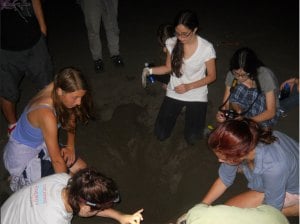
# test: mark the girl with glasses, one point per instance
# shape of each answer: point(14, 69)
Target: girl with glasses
point(191, 62)
point(251, 89)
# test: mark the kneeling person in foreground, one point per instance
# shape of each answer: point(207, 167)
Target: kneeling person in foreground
point(269, 161)
point(56, 198)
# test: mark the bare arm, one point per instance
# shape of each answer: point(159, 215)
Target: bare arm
point(163, 69)
point(225, 97)
point(215, 191)
point(135, 218)
point(209, 78)
point(270, 111)
point(68, 151)
point(46, 121)
point(38, 10)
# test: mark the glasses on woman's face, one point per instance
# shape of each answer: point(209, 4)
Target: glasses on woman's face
point(242, 75)
point(183, 34)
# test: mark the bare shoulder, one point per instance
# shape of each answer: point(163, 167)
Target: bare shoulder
point(41, 114)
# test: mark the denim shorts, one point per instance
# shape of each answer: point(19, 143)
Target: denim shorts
point(34, 63)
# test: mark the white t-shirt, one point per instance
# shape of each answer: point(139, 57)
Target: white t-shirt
point(39, 203)
point(193, 69)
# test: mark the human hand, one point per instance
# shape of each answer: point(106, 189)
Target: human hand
point(135, 218)
point(220, 117)
point(164, 86)
point(181, 219)
point(68, 154)
point(182, 88)
point(291, 82)
point(146, 72)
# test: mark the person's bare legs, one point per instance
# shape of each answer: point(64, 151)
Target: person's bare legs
point(9, 111)
point(249, 199)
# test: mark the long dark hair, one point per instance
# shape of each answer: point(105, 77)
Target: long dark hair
point(69, 80)
point(236, 138)
point(246, 59)
point(188, 19)
point(91, 188)
point(164, 31)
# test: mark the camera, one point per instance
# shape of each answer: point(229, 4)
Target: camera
point(230, 114)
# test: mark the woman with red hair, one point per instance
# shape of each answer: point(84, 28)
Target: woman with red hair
point(270, 162)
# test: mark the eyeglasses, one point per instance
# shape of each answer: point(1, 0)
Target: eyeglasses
point(184, 35)
point(240, 75)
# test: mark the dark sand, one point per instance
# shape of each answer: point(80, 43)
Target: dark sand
point(164, 178)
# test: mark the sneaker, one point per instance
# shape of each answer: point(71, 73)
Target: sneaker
point(99, 66)
point(10, 129)
point(117, 60)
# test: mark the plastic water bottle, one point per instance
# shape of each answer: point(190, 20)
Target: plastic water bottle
point(285, 92)
point(150, 78)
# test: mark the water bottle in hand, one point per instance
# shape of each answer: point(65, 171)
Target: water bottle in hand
point(150, 77)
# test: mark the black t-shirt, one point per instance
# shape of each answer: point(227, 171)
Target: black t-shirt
point(19, 27)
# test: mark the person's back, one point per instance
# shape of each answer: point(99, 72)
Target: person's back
point(20, 28)
point(25, 132)
point(38, 203)
point(57, 198)
point(223, 214)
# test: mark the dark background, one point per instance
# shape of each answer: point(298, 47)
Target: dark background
point(164, 178)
